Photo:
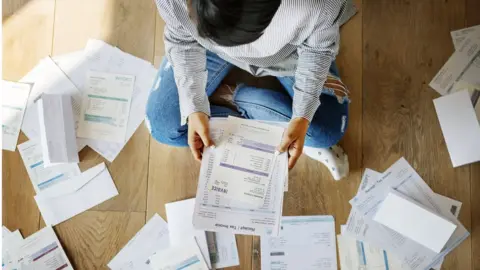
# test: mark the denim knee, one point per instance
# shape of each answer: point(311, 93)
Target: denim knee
point(324, 135)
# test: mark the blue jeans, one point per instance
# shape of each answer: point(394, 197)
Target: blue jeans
point(163, 111)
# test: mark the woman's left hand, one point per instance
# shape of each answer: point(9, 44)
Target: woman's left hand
point(294, 139)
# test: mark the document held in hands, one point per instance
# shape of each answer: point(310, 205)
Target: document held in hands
point(14, 100)
point(245, 161)
point(412, 220)
point(57, 129)
point(106, 106)
point(70, 198)
point(43, 177)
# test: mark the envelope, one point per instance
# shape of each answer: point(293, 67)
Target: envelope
point(70, 198)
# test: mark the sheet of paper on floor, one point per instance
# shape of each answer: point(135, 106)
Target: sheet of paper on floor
point(460, 127)
point(57, 130)
point(186, 256)
point(459, 35)
point(41, 251)
point(304, 242)
point(9, 241)
point(215, 213)
point(222, 247)
point(99, 56)
point(14, 101)
point(43, 177)
point(464, 64)
point(47, 77)
point(246, 152)
point(181, 229)
point(70, 198)
point(151, 238)
point(366, 204)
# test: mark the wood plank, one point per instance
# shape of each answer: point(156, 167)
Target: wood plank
point(11, 6)
point(130, 25)
point(32, 24)
point(472, 18)
point(93, 238)
point(399, 117)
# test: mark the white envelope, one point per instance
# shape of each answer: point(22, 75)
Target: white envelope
point(70, 198)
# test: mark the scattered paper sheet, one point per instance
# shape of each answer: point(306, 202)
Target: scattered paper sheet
point(245, 160)
point(180, 226)
point(459, 35)
point(464, 64)
point(70, 198)
point(460, 127)
point(57, 129)
point(14, 100)
point(186, 256)
point(43, 177)
point(151, 238)
point(41, 251)
point(216, 213)
point(403, 178)
point(9, 241)
point(305, 242)
point(223, 250)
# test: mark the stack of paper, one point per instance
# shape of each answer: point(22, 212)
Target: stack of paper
point(109, 90)
point(459, 110)
point(216, 212)
point(390, 224)
point(42, 250)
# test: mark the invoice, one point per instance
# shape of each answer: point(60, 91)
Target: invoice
point(14, 101)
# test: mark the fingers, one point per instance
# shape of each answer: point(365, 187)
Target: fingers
point(195, 145)
point(286, 142)
point(205, 136)
point(294, 154)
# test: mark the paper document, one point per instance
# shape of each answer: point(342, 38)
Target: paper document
point(186, 256)
point(214, 212)
point(464, 64)
point(48, 78)
point(412, 220)
point(180, 226)
point(57, 129)
point(41, 251)
point(135, 255)
point(245, 160)
point(106, 106)
point(403, 178)
point(223, 250)
point(14, 101)
point(459, 35)
point(10, 240)
point(460, 127)
point(70, 198)
point(304, 242)
point(369, 178)
point(43, 177)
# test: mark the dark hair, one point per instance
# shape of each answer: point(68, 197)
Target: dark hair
point(233, 22)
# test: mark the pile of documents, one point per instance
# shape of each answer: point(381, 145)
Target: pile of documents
point(398, 222)
point(42, 250)
point(177, 245)
point(458, 109)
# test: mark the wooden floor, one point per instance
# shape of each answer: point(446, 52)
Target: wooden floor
point(389, 53)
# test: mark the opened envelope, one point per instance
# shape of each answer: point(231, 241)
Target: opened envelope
point(70, 198)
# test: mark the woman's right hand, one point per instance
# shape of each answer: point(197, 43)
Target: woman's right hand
point(198, 134)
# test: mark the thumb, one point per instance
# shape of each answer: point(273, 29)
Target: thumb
point(286, 141)
point(205, 136)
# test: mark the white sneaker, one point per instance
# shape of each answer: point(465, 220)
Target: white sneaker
point(333, 157)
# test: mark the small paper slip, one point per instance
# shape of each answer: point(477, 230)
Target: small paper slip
point(412, 220)
point(180, 226)
point(305, 242)
point(464, 64)
point(43, 177)
point(459, 35)
point(460, 127)
point(222, 247)
point(106, 106)
point(186, 256)
point(14, 100)
point(151, 238)
point(245, 161)
point(57, 129)
point(70, 198)
point(41, 251)
point(9, 241)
